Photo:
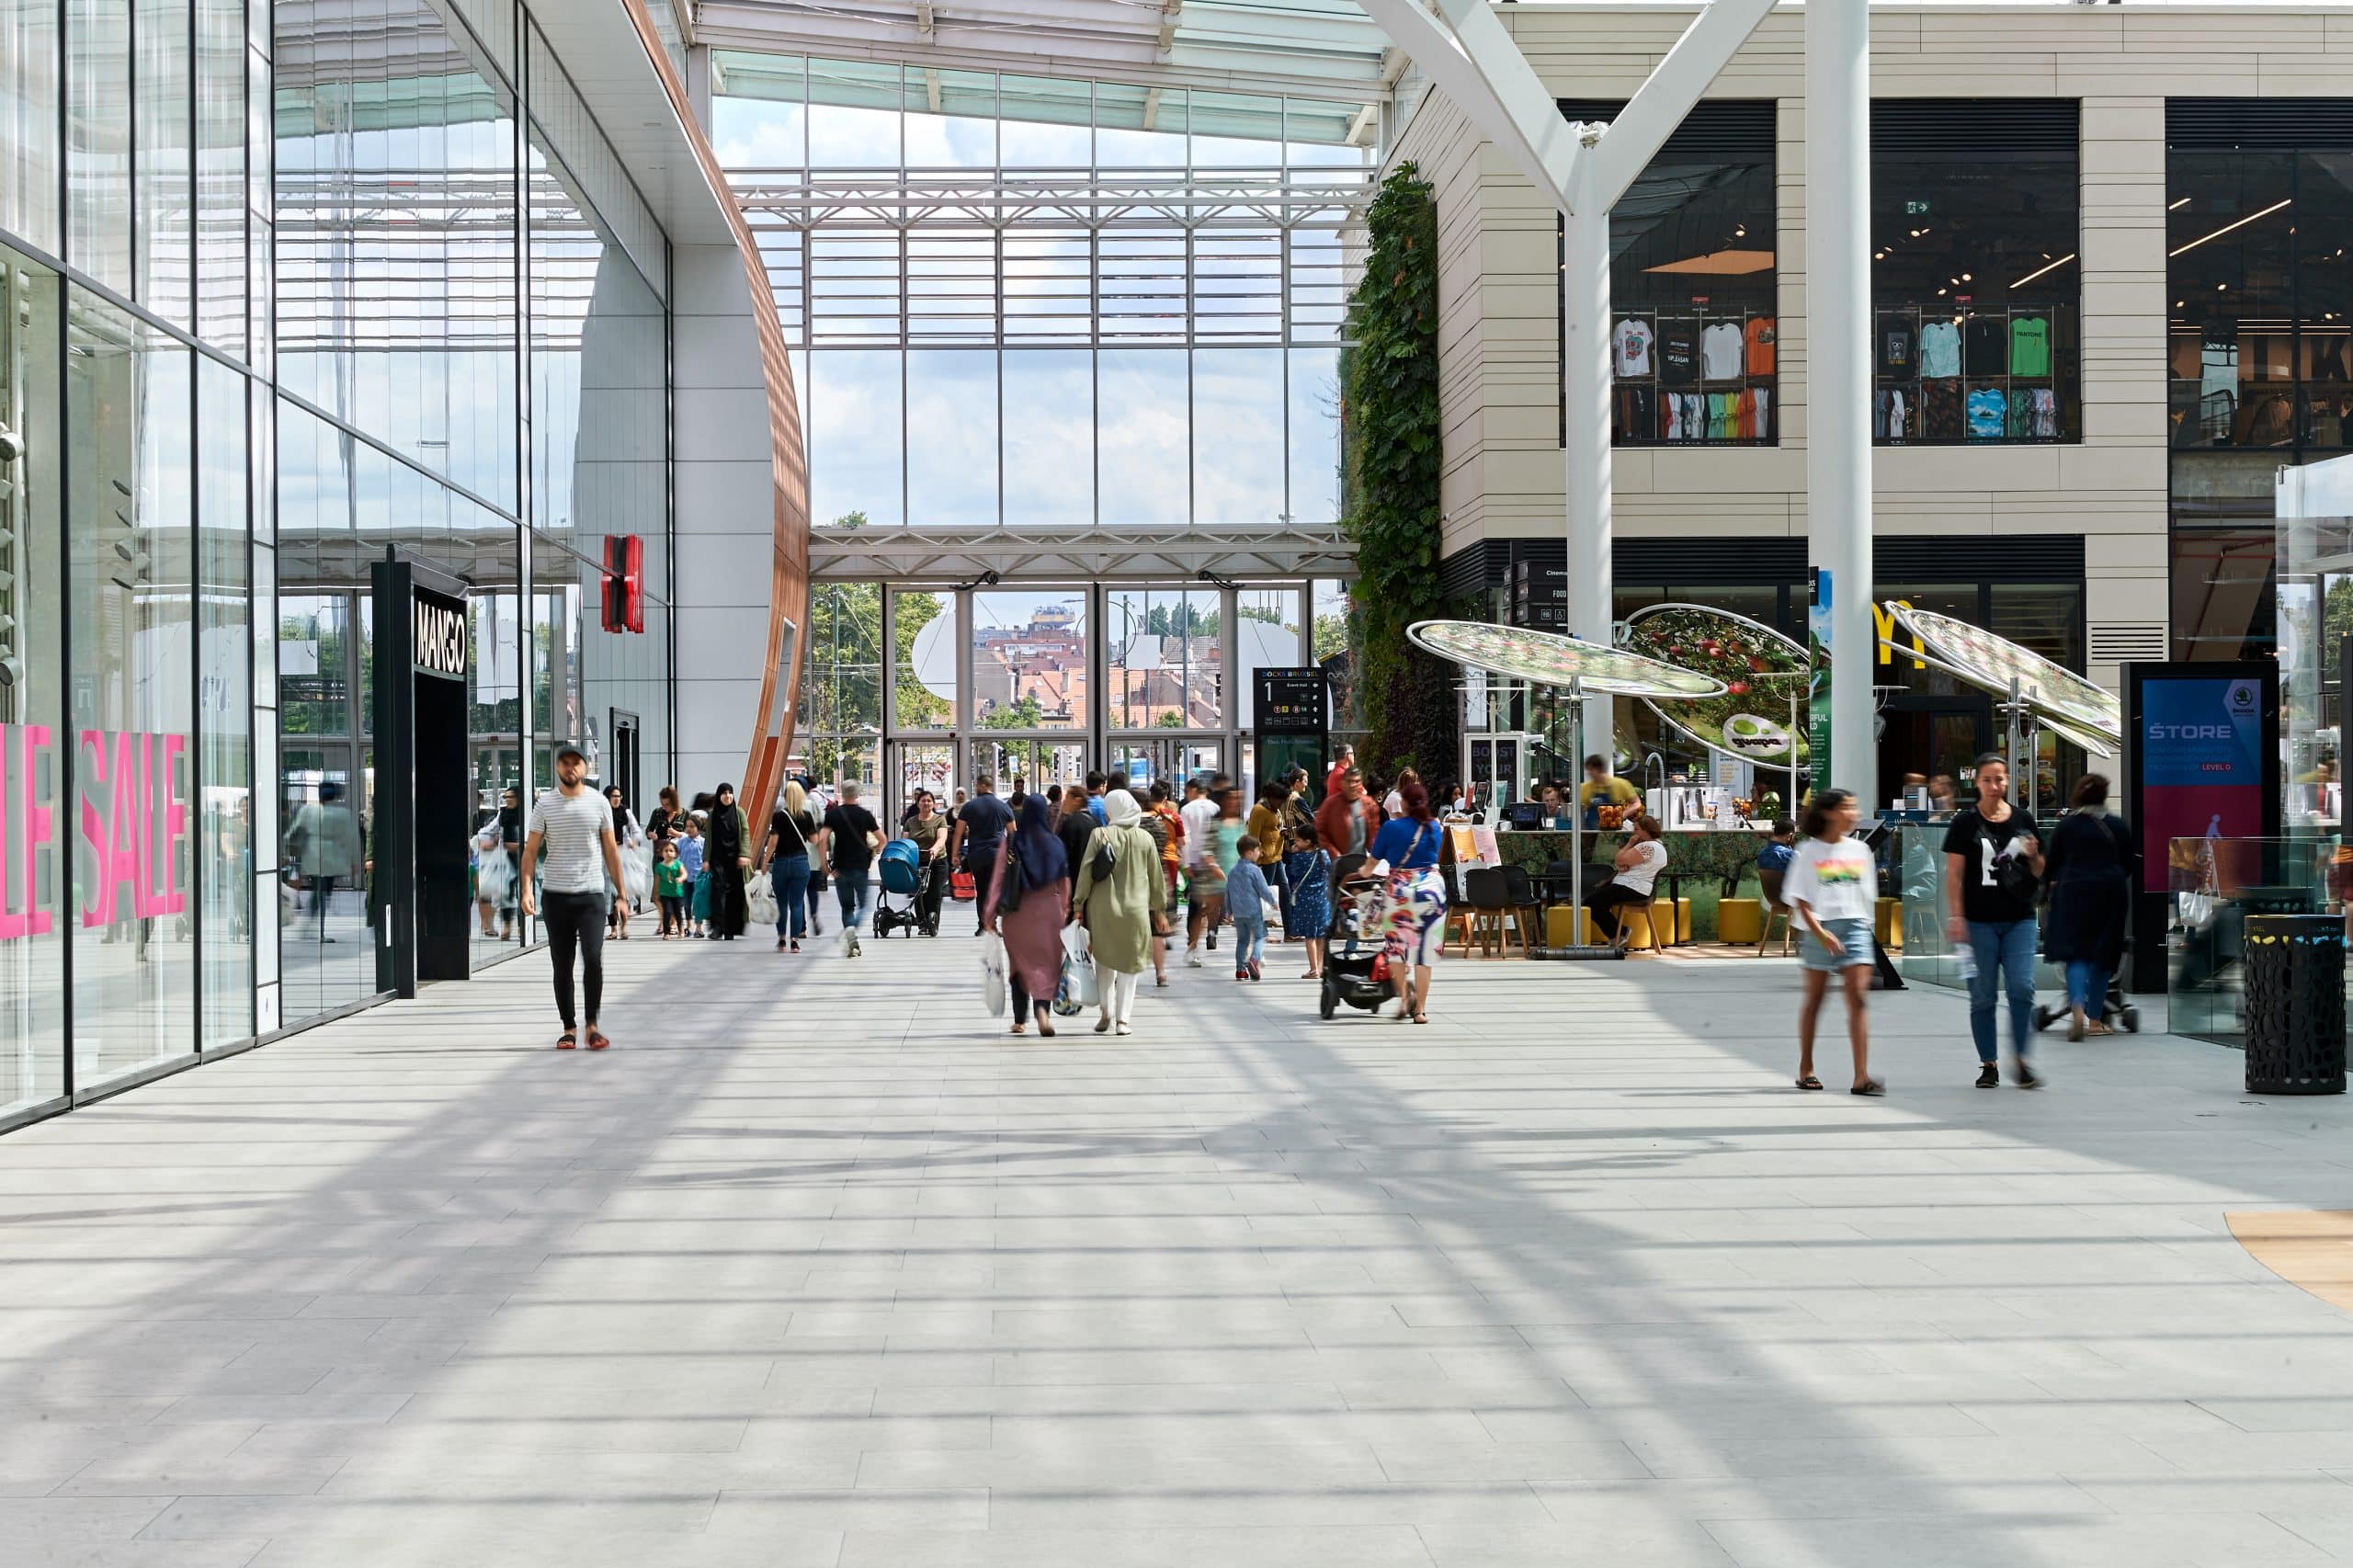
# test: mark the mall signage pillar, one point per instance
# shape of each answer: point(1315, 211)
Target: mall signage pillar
point(1839, 381)
point(424, 801)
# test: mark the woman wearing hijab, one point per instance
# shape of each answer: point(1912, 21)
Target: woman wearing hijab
point(1032, 925)
point(724, 863)
point(1122, 904)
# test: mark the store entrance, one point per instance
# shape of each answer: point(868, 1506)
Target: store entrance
point(1175, 758)
point(1931, 740)
point(1035, 761)
point(912, 766)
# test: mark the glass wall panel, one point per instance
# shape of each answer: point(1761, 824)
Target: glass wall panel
point(221, 173)
point(164, 170)
point(841, 691)
point(224, 708)
point(1266, 636)
point(29, 97)
point(1166, 671)
point(856, 441)
point(1139, 128)
point(1313, 435)
point(1231, 130)
point(1029, 660)
point(952, 119)
point(97, 152)
point(759, 110)
point(1045, 123)
point(129, 390)
point(1976, 287)
point(952, 437)
point(1237, 442)
point(32, 847)
point(922, 678)
point(405, 324)
point(1049, 440)
point(1146, 435)
point(854, 114)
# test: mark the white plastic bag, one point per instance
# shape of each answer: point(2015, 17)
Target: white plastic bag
point(1079, 989)
point(637, 872)
point(992, 973)
point(759, 899)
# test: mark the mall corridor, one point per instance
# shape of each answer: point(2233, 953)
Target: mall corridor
point(818, 1267)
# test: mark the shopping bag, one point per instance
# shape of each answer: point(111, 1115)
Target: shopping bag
point(992, 973)
point(1079, 989)
point(637, 872)
point(759, 899)
point(494, 878)
point(963, 887)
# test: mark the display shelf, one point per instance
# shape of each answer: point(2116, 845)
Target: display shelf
point(1693, 377)
point(1957, 376)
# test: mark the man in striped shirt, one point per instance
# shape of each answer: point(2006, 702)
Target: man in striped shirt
point(574, 825)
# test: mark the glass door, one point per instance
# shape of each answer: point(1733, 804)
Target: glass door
point(1029, 761)
point(1173, 757)
point(914, 766)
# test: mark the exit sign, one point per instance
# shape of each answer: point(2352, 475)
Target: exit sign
point(1915, 210)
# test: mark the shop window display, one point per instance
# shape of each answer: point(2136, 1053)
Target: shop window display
point(1976, 282)
point(1694, 337)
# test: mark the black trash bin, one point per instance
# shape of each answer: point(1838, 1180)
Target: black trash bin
point(2295, 1003)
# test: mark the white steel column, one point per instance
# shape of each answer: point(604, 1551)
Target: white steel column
point(1838, 374)
point(1585, 398)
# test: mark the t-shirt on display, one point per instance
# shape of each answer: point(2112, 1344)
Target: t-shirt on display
point(1633, 342)
point(1939, 350)
point(1721, 349)
point(1678, 352)
point(1985, 345)
point(1759, 338)
point(2030, 346)
point(1988, 414)
point(1897, 346)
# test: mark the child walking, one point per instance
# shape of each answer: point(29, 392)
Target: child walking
point(1247, 897)
point(1833, 886)
point(697, 891)
point(670, 887)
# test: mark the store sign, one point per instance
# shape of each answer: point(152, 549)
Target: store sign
point(1883, 623)
point(134, 817)
point(1291, 701)
point(2201, 761)
point(1819, 654)
point(25, 827)
point(439, 647)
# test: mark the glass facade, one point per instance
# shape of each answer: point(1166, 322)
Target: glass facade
point(976, 350)
point(1976, 290)
point(287, 287)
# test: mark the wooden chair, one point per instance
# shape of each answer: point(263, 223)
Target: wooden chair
point(1771, 883)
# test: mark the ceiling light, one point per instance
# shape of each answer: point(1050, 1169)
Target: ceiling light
point(2052, 267)
point(2177, 206)
point(1967, 276)
point(2228, 227)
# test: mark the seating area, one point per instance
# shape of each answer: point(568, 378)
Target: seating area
point(1499, 911)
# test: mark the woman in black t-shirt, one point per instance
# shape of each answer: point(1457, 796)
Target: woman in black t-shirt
point(1993, 865)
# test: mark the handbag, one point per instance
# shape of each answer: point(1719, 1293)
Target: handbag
point(1104, 858)
point(759, 899)
point(2011, 873)
point(1080, 988)
point(1011, 884)
point(992, 973)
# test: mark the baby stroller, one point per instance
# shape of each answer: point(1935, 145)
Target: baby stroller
point(905, 874)
point(1356, 971)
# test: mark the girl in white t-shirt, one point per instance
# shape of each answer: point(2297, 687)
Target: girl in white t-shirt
point(1833, 887)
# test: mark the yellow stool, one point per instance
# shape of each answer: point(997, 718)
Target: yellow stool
point(1634, 924)
point(1565, 926)
point(1887, 923)
point(1683, 919)
point(1740, 920)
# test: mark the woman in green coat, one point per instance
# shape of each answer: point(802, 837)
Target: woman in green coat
point(1121, 911)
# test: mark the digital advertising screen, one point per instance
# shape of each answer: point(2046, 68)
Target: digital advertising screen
point(2202, 743)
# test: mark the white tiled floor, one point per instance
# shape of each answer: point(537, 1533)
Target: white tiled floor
point(818, 1267)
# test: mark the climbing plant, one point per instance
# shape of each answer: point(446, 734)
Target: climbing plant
point(1393, 454)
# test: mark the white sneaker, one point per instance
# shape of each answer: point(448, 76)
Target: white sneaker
point(849, 943)
point(1192, 957)
point(1124, 1030)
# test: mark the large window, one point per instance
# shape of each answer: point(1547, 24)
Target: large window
point(2259, 210)
point(1111, 303)
point(1693, 330)
point(1976, 282)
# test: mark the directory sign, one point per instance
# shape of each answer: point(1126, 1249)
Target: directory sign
point(2205, 757)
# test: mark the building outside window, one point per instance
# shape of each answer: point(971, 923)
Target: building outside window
point(1977, 285)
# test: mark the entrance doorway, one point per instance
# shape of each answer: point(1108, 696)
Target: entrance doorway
point(1175, 758)
point(1036, 761)
point(621, 764)
point(917, 765)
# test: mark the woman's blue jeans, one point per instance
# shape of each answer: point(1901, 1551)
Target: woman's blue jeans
point(788, 880)
point(2088, 985)
point(2005, 953)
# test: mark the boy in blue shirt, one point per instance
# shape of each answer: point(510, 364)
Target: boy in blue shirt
point(1247, 897)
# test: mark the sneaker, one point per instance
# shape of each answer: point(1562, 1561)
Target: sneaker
point(1241, 974)
point(853, 944)
point(2027, 1077)
point(1213, 938)
point(1193, 957)
point(849, 943)
point(1258, 969)
point(1989, 1076)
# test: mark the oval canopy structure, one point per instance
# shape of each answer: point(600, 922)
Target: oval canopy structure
point(1991, 663)
point(1547, 658)
point(1760, 672)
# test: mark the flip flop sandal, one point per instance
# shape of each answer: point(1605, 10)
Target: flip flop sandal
point(597, 1040)
point(1809, 1083)
point(1871, 1087)
point(568, 1040)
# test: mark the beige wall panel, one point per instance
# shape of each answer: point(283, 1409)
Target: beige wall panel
point(2137, 468)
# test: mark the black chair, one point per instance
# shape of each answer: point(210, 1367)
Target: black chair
point(1769, 884)
point(1486, 894)
point(1519, 899)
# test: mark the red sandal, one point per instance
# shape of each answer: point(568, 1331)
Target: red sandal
point(597, 1040)
point(568, 1040)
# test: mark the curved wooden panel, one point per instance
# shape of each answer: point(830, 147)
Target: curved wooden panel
point(771, 736)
